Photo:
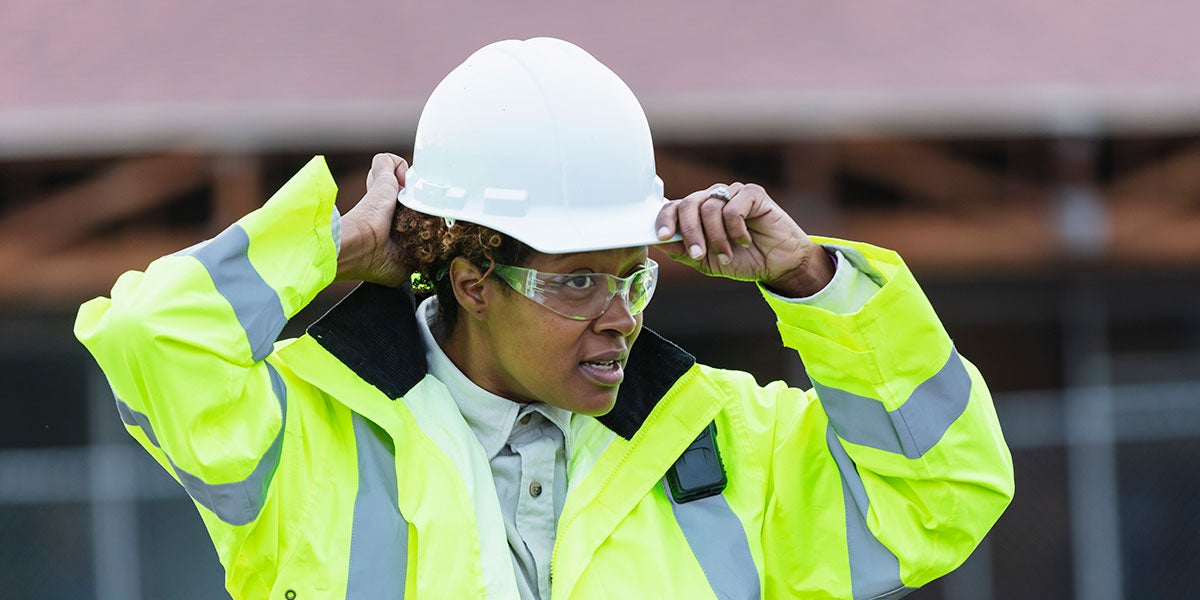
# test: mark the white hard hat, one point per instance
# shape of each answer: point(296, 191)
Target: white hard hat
point(538, 140)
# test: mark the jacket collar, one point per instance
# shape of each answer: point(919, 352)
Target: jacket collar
point(374, 332)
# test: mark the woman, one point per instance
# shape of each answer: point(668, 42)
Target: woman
point(519, 434)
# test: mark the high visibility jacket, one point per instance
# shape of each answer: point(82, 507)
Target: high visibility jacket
point(334, 466)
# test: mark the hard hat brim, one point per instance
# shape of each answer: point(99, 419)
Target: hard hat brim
point(580, 230)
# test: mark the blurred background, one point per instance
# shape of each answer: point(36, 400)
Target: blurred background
point(1037, 163)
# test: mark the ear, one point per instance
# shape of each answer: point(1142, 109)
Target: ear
point(467, 282)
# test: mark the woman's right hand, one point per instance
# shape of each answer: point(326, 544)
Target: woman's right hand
point(368, 252)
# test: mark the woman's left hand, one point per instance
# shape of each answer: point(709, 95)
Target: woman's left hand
point(747, 237)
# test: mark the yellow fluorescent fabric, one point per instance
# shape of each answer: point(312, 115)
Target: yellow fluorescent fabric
point(897, 451)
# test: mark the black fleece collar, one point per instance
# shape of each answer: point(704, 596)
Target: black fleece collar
point(373, 331)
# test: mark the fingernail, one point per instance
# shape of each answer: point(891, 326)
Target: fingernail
point(663, 233)
point(744, 243)
point(695, 251)
point(723, 259)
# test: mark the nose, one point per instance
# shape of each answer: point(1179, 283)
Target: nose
point(616, 318)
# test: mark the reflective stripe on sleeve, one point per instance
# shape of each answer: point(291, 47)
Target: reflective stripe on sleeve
point(379, 534)
point(719, 543)
point(236, 503)
point(255, 303)
point(133, 418)
point(914, 427)
point(874, 570)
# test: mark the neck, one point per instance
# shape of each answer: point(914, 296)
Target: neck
point(462, 346)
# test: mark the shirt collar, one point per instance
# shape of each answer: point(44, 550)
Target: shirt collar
point(490, 417)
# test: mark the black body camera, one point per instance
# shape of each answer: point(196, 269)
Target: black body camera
point(698, 472)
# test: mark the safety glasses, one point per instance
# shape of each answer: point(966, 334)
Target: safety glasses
point(582, 296)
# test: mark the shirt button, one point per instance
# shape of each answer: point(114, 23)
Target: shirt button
point(535, 489)
point(525, 419)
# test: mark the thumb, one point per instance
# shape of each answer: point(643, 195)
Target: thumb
point(401, 172)
point(387, 170)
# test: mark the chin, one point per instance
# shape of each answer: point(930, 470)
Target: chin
point(597, 405)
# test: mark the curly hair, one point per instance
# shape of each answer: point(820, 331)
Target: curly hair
point(427, 245)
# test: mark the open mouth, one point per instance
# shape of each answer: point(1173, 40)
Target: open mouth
point(605, 372)
point(602, 364)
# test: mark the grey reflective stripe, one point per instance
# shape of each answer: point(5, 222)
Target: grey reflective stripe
point(236, 503)
point(719, 543)
point(133, 418)
point(379, 535)
point(914, 427)
point(255, 303)
point(874, 570)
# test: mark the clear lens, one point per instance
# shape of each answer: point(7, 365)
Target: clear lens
point(582, 296)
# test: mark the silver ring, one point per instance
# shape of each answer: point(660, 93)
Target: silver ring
point(721, 192)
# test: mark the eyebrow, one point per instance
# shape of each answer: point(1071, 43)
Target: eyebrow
point(638, 263)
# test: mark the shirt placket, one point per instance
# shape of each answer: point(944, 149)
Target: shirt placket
point(536, 442)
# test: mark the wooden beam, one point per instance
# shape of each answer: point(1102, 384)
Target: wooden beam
point(999, 239)
point(1155, 235)
point(1174, 180)
point(48, 256)
point(129, 188)
point(89, 269)
point(930, 175)
point(1025, 239)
